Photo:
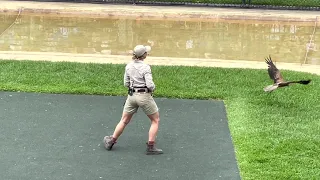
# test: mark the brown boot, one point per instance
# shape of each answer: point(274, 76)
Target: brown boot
point(152, 150)
point(109, 141)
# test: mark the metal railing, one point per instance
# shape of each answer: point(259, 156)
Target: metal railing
point(260, 4)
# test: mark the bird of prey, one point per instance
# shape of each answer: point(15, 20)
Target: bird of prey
point(277, 78)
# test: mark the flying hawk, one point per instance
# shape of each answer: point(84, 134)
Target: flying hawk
point(277, 78)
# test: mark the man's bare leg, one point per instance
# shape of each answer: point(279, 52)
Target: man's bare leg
point(126, 118)
point(109, 141)
point(154, 126)
point(155, 118)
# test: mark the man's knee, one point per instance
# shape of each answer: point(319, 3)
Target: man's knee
point(126, 117)
point(155, 118)
point(125, 122)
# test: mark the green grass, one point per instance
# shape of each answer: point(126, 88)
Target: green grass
point(276, 136)
point(303, 3)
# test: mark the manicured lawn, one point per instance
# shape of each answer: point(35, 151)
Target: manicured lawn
point(276, 135)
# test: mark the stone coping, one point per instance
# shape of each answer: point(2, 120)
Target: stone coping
point(162, 12)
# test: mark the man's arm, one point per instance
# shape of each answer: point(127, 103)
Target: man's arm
point(126, 78)
point(149, 81)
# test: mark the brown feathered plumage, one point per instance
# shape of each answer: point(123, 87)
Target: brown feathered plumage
point(277, 78)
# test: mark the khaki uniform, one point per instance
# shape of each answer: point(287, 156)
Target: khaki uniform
point(138, 76)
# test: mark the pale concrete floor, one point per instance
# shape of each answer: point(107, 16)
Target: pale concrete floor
point(134, 11)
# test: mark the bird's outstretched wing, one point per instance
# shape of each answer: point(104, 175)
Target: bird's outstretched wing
point(270, 88)
point(273, 71)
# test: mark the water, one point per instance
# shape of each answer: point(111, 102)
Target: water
point(231, 40)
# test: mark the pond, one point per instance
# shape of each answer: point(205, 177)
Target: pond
point(229, 40)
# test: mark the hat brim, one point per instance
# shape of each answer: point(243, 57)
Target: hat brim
point(148, 48)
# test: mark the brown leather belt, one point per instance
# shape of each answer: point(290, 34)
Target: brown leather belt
point(141, 90)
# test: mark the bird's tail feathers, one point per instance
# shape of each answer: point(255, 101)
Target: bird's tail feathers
point(305, 82)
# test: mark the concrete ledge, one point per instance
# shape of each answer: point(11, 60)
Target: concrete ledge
point(164, 12)
point(167, 61)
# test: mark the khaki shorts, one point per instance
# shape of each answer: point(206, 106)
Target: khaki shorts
point(143, 100)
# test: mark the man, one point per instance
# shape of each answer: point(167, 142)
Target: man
point(138, 79)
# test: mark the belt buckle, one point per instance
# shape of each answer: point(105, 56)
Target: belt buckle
point(144, 90)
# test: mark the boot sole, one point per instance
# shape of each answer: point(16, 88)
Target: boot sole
point(108, 147)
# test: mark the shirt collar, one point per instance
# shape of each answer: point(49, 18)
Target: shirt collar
point(138, 61)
